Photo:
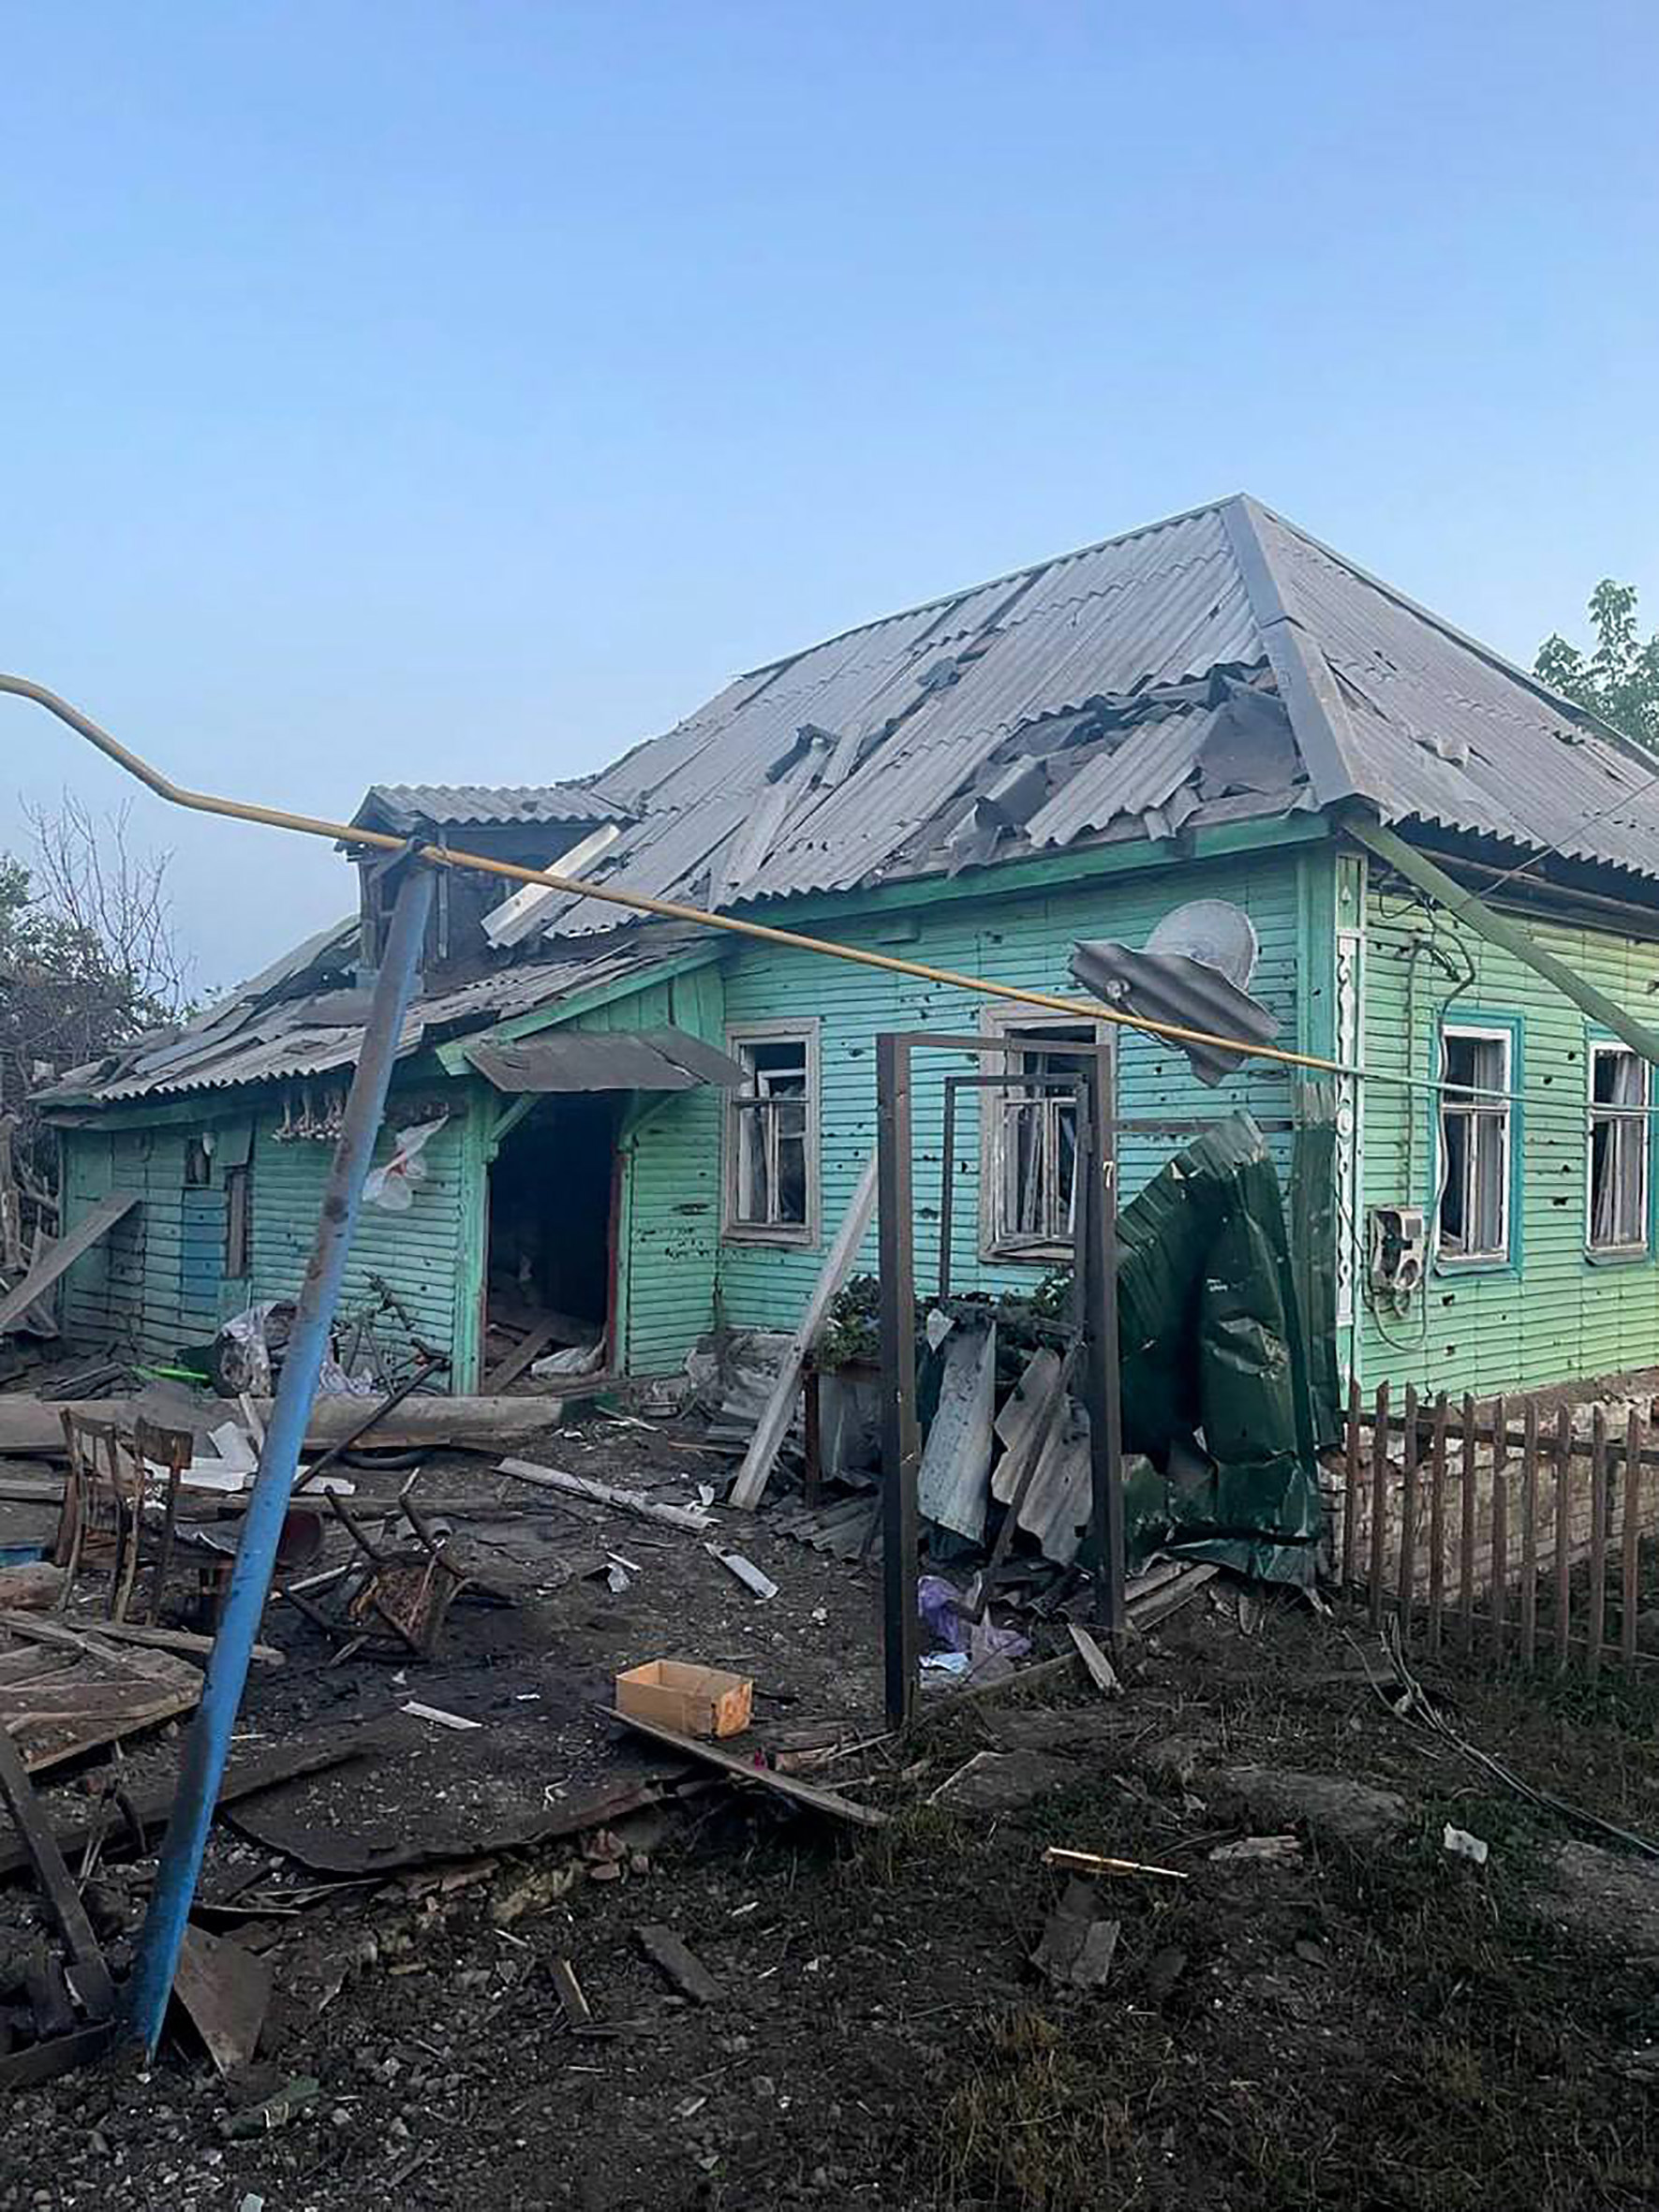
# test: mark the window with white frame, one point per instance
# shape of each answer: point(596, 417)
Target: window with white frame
point(1476, 1134)
point(772, 1134)
point(1030, 1148)
point(1618, 1213)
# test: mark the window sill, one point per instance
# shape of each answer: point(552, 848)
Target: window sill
point(1046, 1256)
point(788, 1239)
point(1618, 1255)
point(1445, 1263)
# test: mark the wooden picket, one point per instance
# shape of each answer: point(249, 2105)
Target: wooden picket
point(1542, 1519)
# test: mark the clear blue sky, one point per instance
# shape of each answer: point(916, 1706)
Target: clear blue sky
point(462, 392)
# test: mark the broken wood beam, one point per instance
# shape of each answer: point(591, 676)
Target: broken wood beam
point(743, 1770)
point(538, 1339)
point(70, 1631)
point(693, 1519)
point(59, 1257)
point(30, 1425)
point(572, 1997)
point(764, 1447)
point(1099, 1669)
point(90, 1976)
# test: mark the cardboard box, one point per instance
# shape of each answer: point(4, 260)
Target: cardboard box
point(695, 1701)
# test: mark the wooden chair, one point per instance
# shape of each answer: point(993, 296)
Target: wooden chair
point(107, 1521)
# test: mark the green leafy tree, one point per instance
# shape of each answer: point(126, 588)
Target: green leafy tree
point(1619, 678)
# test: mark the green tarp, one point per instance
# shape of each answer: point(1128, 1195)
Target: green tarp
point(1229, 1373)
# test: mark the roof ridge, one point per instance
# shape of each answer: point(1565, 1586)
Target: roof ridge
point(1306, 682)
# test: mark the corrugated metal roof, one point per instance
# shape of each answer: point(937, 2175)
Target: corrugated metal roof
point(922, 706)
point(404, 806)
point(1152, 763)
point(281, 1039)
point(919, 701)
point(1452, 734)
point(888, 749)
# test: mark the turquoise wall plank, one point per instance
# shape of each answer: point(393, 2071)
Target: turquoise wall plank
point(676, 1195)
point(1559, 1316)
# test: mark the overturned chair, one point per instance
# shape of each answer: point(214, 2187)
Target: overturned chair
point(394, 1598)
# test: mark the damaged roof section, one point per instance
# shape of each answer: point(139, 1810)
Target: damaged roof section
point(304, 1017)
point(1220, 664)
point(404, 808)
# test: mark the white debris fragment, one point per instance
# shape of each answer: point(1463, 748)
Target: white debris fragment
point(1461, 1845)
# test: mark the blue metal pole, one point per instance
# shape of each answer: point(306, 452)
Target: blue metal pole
point(209, 1741)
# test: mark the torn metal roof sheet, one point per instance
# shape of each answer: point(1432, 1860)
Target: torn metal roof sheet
point(284, 1038)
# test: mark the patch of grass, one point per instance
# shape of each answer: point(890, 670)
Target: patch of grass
point(1035, 2123)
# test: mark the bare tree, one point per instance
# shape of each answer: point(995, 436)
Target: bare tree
point(89, 956)
point(114, 908)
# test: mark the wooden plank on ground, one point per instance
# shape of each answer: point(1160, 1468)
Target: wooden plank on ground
point(670, 1958)
point(530, 1349)
point(1099, 1669)
point(145, 1810)
point(100, 1695)
point(63, 1255)
point(33, 1427)
point(773, 1425)
point(744, 1770)
point(227, 1992)
point(67, 1632)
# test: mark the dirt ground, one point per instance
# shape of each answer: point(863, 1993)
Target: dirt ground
point(1362, 2019)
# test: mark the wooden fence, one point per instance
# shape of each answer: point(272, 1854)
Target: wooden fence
point(1483, 1528)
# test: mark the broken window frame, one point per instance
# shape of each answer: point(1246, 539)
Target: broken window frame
point(1476, 1123)
point(239, 1221)
point(1624, 1127)
point(1039, 1123)
point(757, 1130)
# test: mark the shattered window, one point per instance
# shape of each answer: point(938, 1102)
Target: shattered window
point(1618, 1150)
point(1474, 1144)
point(1035, 1154)
point(770, 1152)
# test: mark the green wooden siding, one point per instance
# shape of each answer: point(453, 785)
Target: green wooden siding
point(1023, 941)
point(157, 1282)
point(421, 1253)
point(1553, 1314)
point(137, 1288)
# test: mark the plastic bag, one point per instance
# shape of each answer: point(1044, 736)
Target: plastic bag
point(392, 1187)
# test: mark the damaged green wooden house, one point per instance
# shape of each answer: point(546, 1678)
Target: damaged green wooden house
point(646, 1129)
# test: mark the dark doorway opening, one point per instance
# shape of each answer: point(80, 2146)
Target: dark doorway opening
point(551, 1250)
